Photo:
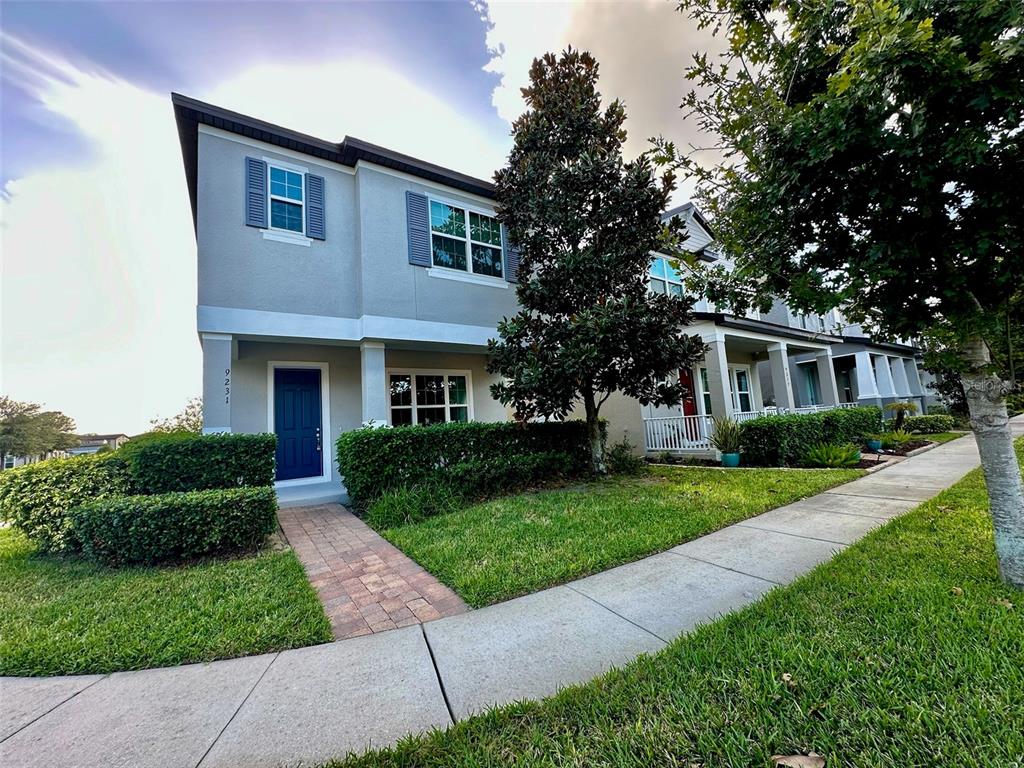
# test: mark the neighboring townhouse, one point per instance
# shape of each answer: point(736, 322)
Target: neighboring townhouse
point(92, 443)
point(344, 283)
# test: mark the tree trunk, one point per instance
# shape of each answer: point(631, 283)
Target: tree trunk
point(986, 401)
point(594, 434)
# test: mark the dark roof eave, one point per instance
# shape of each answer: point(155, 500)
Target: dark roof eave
point(763, 326)
point(892, 347)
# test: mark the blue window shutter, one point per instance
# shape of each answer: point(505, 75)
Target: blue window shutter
point(511, 257)
point(316, 225)
point(255, 192)
point(418, 224)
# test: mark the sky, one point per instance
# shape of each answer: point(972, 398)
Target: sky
point(97, 251)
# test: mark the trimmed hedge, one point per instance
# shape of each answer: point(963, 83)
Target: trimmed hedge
point(374, 461)
point(184, 461)
point(785, 439)
point(36, 498)
point(933, 422)
point(142, 530)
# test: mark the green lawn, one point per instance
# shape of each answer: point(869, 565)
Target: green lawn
point(518, 544)
point(905, 650)
point(940, 437)
point(69, 617)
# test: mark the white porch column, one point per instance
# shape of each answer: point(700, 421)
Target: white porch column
point(883, 377)
point(913, 377)
point(867, 387)
point(899, 377)
point(827, 377)
point(217, 348)
point(374, 382)
point(718, 377)
point(782, 383)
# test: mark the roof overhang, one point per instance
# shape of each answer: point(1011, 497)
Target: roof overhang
point(761, 326)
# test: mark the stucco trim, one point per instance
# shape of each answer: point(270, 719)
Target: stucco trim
point(326, 451)
point(257, 322)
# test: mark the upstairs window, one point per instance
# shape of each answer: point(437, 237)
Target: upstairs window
point(286, 200)
point(664, 279)
point(465, 240)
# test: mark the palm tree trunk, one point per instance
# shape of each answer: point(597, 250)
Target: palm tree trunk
point(986, 402)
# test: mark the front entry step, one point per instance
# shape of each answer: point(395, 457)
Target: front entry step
point(310, 494)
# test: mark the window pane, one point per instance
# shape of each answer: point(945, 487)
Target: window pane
point(657, 286)
point(430, 415)
point(742, 383)
point(457, 394)
point(278, 175)
point(449, 253)
point(447, 219)
point(745, 402)
point(484, 229)
point(294, 181)
point(658, 268)
point(286, 184)
point(401, 390)
point(285, 215)
point(401, 417)
point(486, 261)
point(430, 391)
point(459, 414)
point(671, 273)
point(675, 290)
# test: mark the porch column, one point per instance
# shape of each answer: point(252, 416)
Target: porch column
point(374, 382)
point(899, 377)
point(913, 377)
point(827, 377)
point(782, 383)
point(883, 377)
point(867, 387)
point(718, 377)
point(217, 348)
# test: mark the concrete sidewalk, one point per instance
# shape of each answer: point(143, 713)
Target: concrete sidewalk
point(308, 705)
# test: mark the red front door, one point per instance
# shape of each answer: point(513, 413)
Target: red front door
point(689, 402)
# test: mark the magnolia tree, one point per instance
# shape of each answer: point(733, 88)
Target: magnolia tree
point(871, 157)
point(586, 223)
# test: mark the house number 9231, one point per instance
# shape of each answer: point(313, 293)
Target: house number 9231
point(227, 385)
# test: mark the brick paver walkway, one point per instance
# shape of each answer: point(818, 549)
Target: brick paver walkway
point(365, 583)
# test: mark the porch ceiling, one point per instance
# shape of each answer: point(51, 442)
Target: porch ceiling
point(757, 345)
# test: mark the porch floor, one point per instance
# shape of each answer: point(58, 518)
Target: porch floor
point(365, 583)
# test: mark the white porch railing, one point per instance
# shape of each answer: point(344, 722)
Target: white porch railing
point(677, 433)
point(693, 433)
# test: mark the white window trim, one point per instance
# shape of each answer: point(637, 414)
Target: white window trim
point(447, 273)
point(413, 373)
point(327, 446)
point(665, 279)
point(735, 386)
point(467, 240)
point(282, 234)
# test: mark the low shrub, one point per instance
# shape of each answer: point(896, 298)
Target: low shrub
point(374, 461)
point(142, 530)
point(933, 422)
point(897, 438)
point(186, 461)
point(621, 459)
point(785, 439)
point(37, 498)
point(832, 456)
point(403, 506)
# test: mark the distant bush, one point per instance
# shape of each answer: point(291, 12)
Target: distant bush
point(375, 461)
point(832, 455)
point(162, 462)
point(142, 530)
point(37, 498)
point(933, 422)
point(785, 439)
point(621, 459)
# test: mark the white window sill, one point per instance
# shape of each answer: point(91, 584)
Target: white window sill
point(465, 277)
point(286, 237)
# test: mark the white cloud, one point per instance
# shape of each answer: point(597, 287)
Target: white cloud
point(98, 274)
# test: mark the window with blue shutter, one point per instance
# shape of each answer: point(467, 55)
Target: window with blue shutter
point(316, 225)
point(255, 192)
point(418, 226)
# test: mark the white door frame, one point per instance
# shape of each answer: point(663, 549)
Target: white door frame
point(326, 451)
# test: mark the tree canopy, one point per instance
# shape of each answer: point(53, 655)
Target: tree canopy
point(585, 222)
point(190, 419)
point(27, 430)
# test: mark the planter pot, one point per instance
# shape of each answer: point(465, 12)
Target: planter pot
point(730, 459)
point(874, 445)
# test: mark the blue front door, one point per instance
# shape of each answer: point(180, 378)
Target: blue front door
point(297, 423)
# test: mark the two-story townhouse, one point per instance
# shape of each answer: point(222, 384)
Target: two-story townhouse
point(344, 283)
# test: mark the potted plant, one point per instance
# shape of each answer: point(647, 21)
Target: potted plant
point(726, 438)
point(874, 443)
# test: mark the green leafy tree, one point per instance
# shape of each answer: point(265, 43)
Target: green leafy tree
point(872, 153)
point(585, 222)
point(27, 430)
point(189, 420)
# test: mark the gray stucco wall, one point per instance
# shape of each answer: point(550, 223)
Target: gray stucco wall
point(362, 267)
